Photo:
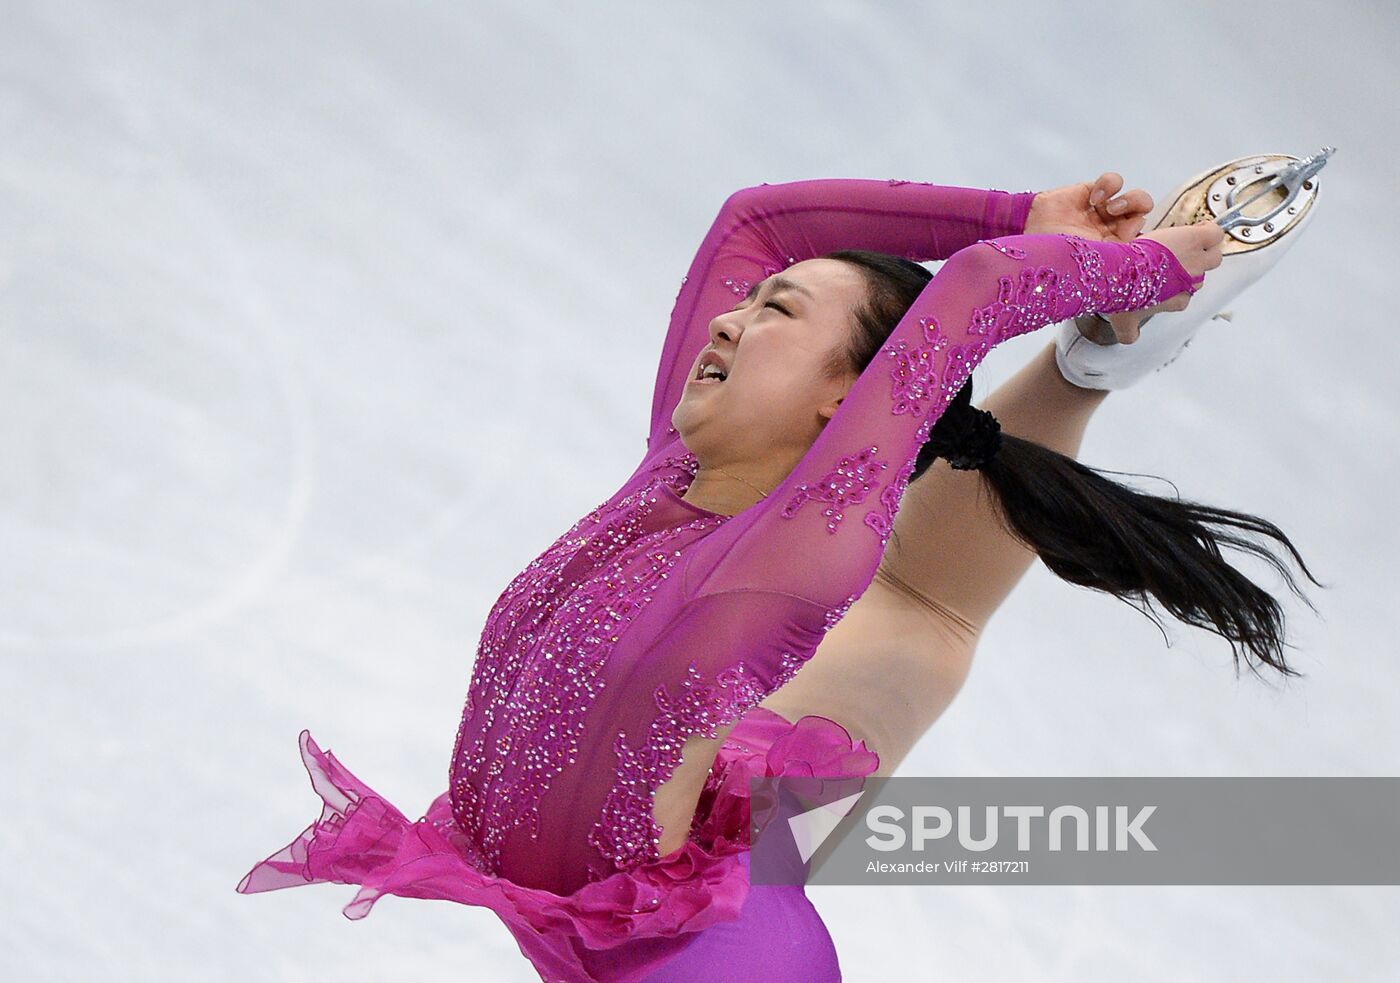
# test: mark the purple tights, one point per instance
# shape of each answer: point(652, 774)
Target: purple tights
point(777, 938)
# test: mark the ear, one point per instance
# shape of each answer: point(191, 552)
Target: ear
point(827, 410)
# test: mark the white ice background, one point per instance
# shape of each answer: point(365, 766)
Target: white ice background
point(319, 320)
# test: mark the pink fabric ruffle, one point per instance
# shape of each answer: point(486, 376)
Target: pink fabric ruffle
point(614, 930)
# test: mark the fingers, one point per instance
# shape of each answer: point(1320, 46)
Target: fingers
point(1135, 202)
point(1212, 238)
point(1197, 247)
point(1105, 187)
point(1212, 234)
point(1125, 326)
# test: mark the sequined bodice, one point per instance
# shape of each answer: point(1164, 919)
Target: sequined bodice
point(651, 620)
point(546, 640)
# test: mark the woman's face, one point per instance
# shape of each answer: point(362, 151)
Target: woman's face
point(775, 345)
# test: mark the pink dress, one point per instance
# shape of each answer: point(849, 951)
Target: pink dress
point(651, 619)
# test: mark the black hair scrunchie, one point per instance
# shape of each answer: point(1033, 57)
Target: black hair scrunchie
point(975, 443)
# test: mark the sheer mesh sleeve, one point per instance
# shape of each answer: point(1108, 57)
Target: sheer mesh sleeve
point(764, 229)
point(820, 534)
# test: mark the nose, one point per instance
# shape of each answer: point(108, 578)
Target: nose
point(727, 326)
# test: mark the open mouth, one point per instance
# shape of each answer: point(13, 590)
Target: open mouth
point(711, 370)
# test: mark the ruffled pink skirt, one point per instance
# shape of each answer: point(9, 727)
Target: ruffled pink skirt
point(640, 925)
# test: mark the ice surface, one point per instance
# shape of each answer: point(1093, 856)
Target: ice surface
point(292, 302)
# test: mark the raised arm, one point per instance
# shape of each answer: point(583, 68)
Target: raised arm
point(821, 533)
point(764, 229)
point(950, 547)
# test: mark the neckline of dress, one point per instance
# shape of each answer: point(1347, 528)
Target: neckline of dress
point(666, 488)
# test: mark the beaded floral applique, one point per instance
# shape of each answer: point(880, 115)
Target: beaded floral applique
point(882, 520)
point(1135, 283)
point(835, 614)
point(922, 385)
point(676, 470)
point(913, 372)
point(536, 675)
point(1004, 249)
point(627, 832)
point(738, 287)
point(854, 477)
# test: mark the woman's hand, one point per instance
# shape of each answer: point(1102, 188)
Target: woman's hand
point(1197, 248)
point(1090, 210)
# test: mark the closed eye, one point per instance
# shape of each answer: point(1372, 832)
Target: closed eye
point(772, 303)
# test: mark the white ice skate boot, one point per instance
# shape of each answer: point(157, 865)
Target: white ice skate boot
point(1263, 203)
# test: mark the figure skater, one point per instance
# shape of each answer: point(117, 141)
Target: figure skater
point(597, 786)
point(968, 531)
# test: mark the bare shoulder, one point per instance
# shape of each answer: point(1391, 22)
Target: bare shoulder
point(885, 671)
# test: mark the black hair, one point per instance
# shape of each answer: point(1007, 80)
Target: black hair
point(1087, 528)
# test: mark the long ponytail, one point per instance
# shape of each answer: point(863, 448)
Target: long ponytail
point(1087, 528)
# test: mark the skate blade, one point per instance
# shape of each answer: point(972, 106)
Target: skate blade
point(1235, 189)
point(1252, 198)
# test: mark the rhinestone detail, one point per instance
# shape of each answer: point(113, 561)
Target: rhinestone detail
point(627, 831)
